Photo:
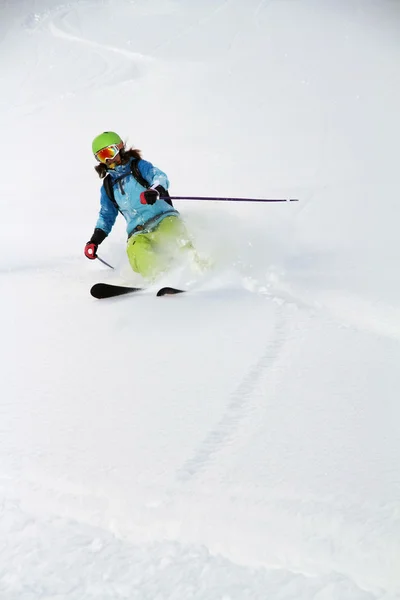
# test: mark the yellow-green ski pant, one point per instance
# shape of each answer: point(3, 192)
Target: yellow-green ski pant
point(152, 253)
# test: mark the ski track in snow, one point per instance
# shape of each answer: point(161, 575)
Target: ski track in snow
point(239, 406)
point(113, 72)
point(344, 307)
point(63, 34)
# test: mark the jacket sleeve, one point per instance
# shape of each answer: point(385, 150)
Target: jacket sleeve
point(153, 174)
point(107, 214)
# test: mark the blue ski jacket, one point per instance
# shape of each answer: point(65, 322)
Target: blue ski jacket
point(127, 195)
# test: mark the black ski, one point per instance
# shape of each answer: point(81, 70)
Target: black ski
point(169, 291)
point(106, 290)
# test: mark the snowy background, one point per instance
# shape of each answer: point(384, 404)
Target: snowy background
point(241, 441)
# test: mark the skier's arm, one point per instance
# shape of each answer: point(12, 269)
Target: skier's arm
point(106, 219)
point(156, 178)
point(107, 214)
point(153, 174)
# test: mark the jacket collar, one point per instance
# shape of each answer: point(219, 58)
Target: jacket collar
point(120, 171)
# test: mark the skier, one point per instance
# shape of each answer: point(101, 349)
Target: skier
point(139, 191)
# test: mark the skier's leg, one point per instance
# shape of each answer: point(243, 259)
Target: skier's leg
point(171, 234)
point(152, 253)
point(143, 256)
point(173, 239)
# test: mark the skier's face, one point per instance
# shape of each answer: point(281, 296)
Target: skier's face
point(116, 160)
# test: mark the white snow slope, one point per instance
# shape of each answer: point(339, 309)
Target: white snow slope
point(241, 441)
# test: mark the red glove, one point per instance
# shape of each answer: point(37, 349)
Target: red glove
point(90, 250)
point(149, 196)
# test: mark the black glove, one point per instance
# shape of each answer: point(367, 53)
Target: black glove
point(149, 196)
point(164, 195)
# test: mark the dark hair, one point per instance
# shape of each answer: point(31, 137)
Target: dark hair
point(126, 155)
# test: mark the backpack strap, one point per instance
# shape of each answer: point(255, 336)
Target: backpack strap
point(109, 188)
point(137, 174)
point(109, 184)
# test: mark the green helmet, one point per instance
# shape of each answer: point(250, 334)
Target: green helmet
point(107, 138)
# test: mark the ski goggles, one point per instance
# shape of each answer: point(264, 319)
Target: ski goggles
point(107, 153)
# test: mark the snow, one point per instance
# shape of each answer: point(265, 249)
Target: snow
point(242, 440)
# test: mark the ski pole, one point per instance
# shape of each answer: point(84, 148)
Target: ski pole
point(231, 199)
point(104, 262)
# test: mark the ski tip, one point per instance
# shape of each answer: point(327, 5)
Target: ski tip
point(169, 291)
point(97, 290)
